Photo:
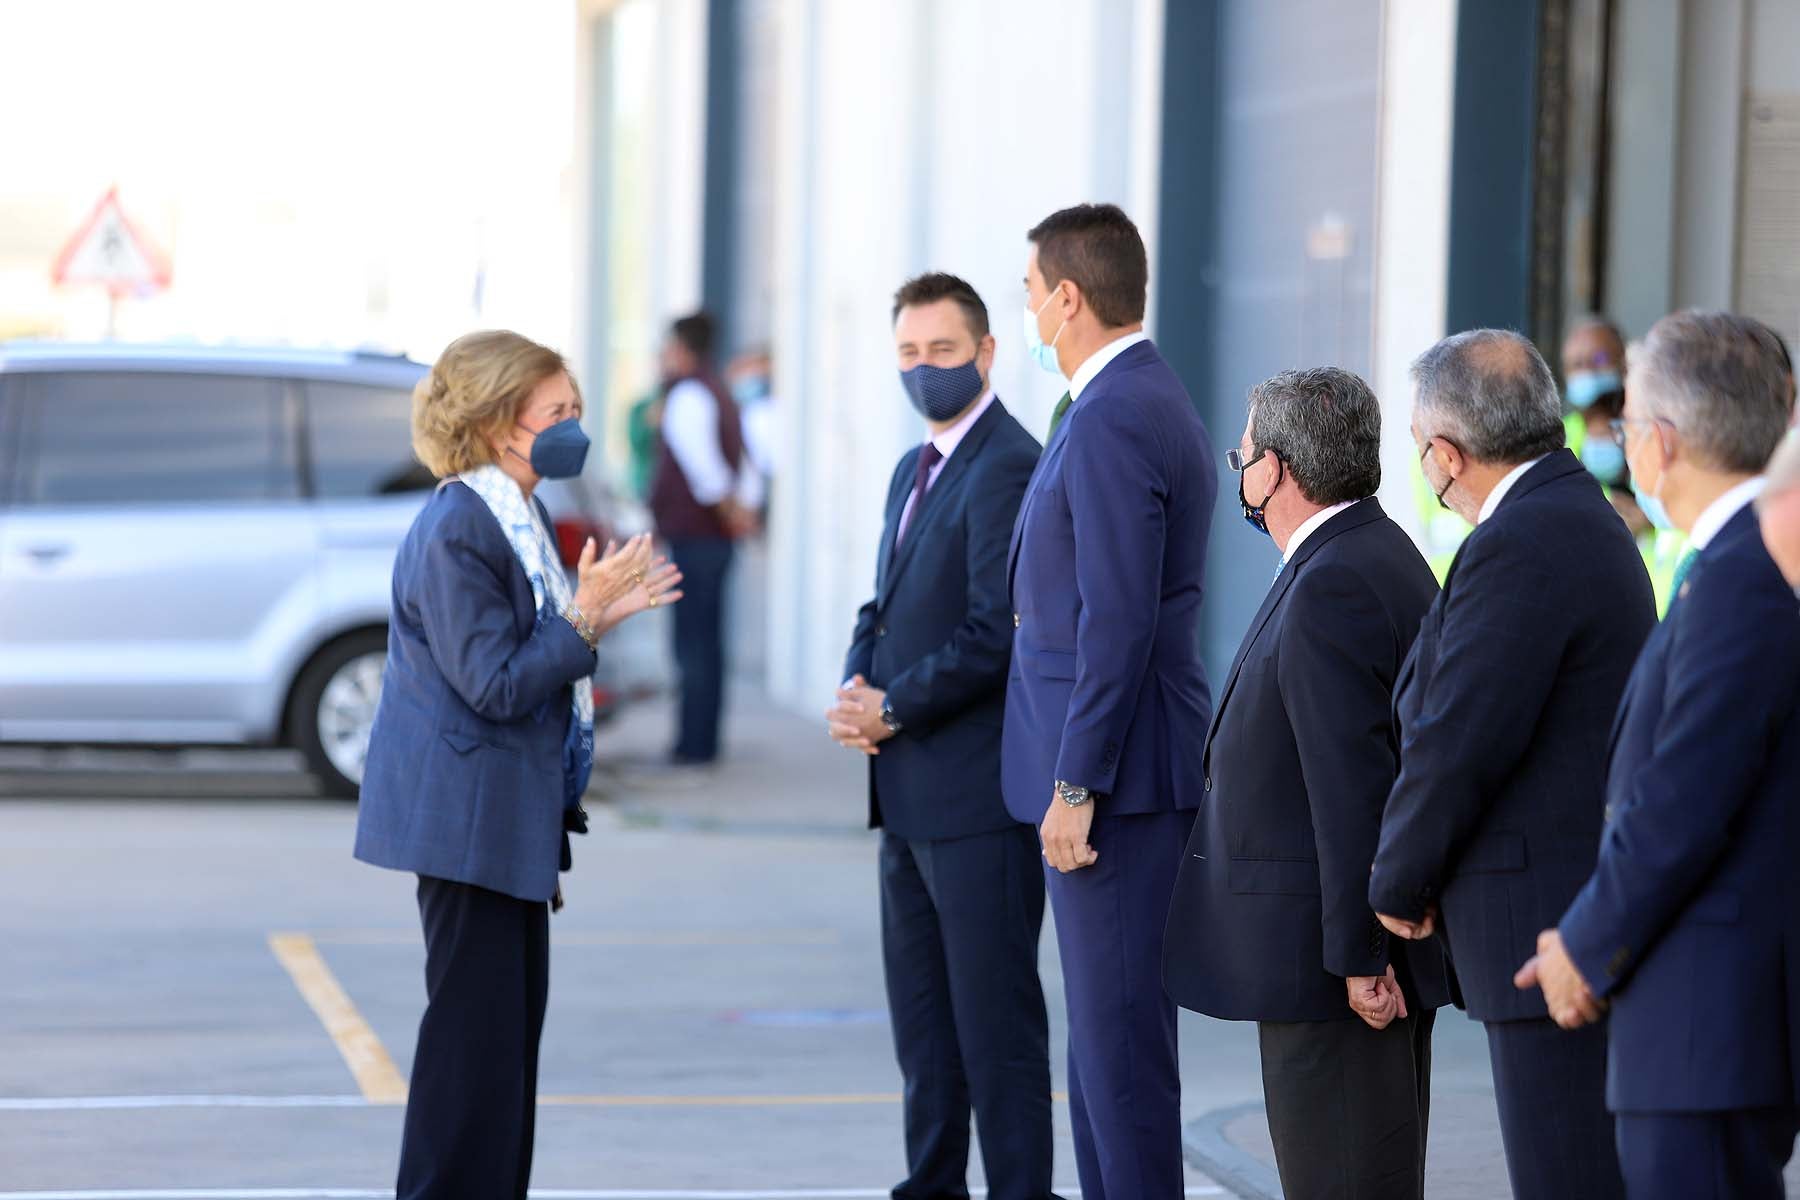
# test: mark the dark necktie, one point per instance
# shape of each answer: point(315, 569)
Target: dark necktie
point(928, 458)
point(1057, 414)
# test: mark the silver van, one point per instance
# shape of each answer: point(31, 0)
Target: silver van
point(196, 545)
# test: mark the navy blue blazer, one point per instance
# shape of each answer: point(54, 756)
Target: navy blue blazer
point(938, 636)
point(1689, 924)
point(1271, 909)
point(1107, 690)
point(1504, 707)
point(464, 778)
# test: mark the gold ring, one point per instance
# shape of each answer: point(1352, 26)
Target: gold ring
point(654, 602)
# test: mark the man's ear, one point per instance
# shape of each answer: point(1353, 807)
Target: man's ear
point(984, 355)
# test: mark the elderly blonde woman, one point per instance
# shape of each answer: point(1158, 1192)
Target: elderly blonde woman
point(483, 742)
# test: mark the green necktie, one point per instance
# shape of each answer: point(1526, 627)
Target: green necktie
point(1061, 410)
point(1682, 567)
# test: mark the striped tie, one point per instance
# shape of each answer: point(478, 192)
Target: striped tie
point(1058, 413)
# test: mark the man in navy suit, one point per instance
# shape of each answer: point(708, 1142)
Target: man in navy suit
point(1107, 699)
point(1689, 927)
point(962, 900)
point(1503, 708)
point(1271, 920)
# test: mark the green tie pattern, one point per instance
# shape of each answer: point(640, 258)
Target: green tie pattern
point(1057, 414)
point(1682, 567)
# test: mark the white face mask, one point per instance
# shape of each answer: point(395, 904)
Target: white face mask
point(1042, 353)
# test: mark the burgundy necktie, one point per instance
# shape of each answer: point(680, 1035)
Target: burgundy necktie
point(928, 459)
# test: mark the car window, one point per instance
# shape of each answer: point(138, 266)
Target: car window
point(123, 437)
point(360, 441)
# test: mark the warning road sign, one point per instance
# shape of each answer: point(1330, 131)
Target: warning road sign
point(109, 250)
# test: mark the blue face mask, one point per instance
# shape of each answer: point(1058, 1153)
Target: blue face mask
point(1042, 353)
point(558, 450)
point(750, 389)
point(1604, 460)
point(942, 393)
point(1653, 508)
point(1585, 387)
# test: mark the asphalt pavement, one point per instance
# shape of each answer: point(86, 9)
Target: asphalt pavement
point(203, 996)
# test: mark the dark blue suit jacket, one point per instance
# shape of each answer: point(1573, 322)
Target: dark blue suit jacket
point(938, 636)
point(1271, 908)
point(464, 778)
point(1688, 923)
point(1107, 689)
point(1503, 707)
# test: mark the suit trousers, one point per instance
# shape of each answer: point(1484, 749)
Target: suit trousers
point(960, 920)
point(1348, 1106)
point(471, 1110)
point(1124, 1077)
point(1550, 1085)
point(699, 644)
point(1733, 1155)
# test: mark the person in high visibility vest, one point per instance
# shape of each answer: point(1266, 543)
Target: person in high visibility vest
point(1594, 380)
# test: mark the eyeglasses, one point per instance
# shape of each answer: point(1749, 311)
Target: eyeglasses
point(1235, 460)
point(1619, 426)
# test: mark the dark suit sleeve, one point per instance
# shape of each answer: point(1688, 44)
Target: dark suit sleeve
point(972, 664)
point(1499, 645)
point(1335, 667)
point(861, 655)
point(468, 623)
point(1729, 689)
point(1115, 477)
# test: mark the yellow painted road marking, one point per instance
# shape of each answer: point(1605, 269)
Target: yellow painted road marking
point(363, 1052)
point(674, 937)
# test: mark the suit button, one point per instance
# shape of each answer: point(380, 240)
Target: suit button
point(1209, 783)
point(1015, 620)
point(881, 631)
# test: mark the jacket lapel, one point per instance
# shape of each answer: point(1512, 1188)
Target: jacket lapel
point(896, 505)
point(933, 502)
point(1046, 463)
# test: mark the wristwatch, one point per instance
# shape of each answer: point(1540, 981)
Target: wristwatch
point(889, 719)
point(1071, 795)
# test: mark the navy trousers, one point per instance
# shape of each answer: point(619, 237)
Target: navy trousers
point(960, 919)
point(1734, 1155)
point(471, 1110)
point(699, 632)
point(1550, 1084)
point(1124, 1077)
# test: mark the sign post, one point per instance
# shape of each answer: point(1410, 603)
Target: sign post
point(108, 249)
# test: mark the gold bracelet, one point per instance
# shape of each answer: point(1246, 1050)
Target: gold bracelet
point(583, 630)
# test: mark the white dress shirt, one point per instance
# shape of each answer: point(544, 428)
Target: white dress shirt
point(690, 428)
point(1719, 513)
point(1310, 526)
point(1504, 486)
point(1098, 360)
point(946, 443)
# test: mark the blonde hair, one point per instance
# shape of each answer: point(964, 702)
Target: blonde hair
point(476, 389)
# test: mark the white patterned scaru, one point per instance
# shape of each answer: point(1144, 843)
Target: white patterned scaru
point(537, 554)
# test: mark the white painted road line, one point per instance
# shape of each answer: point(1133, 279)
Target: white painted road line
point(536, 1193)
point(81, 1103)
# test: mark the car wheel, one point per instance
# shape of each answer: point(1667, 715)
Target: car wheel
point(333, 709)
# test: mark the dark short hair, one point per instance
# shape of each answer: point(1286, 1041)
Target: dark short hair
point(695, 332)
point(1490, 393)
point(1718, 378)
point(1325, 425)
point(1097, 248)
point(933, 286)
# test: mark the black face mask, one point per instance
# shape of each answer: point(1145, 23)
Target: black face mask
point(1255, 515)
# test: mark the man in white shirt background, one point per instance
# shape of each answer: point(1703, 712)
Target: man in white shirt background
point(704, 496)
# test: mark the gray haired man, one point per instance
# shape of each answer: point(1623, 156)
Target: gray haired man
point(1270, 920)
point(1504, 709)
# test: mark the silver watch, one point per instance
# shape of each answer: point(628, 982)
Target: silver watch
point(1071, 795)
point(889, 719)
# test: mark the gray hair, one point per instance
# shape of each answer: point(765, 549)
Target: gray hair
point(1718, 379)
point(1325, 424)
point(1491, 393)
